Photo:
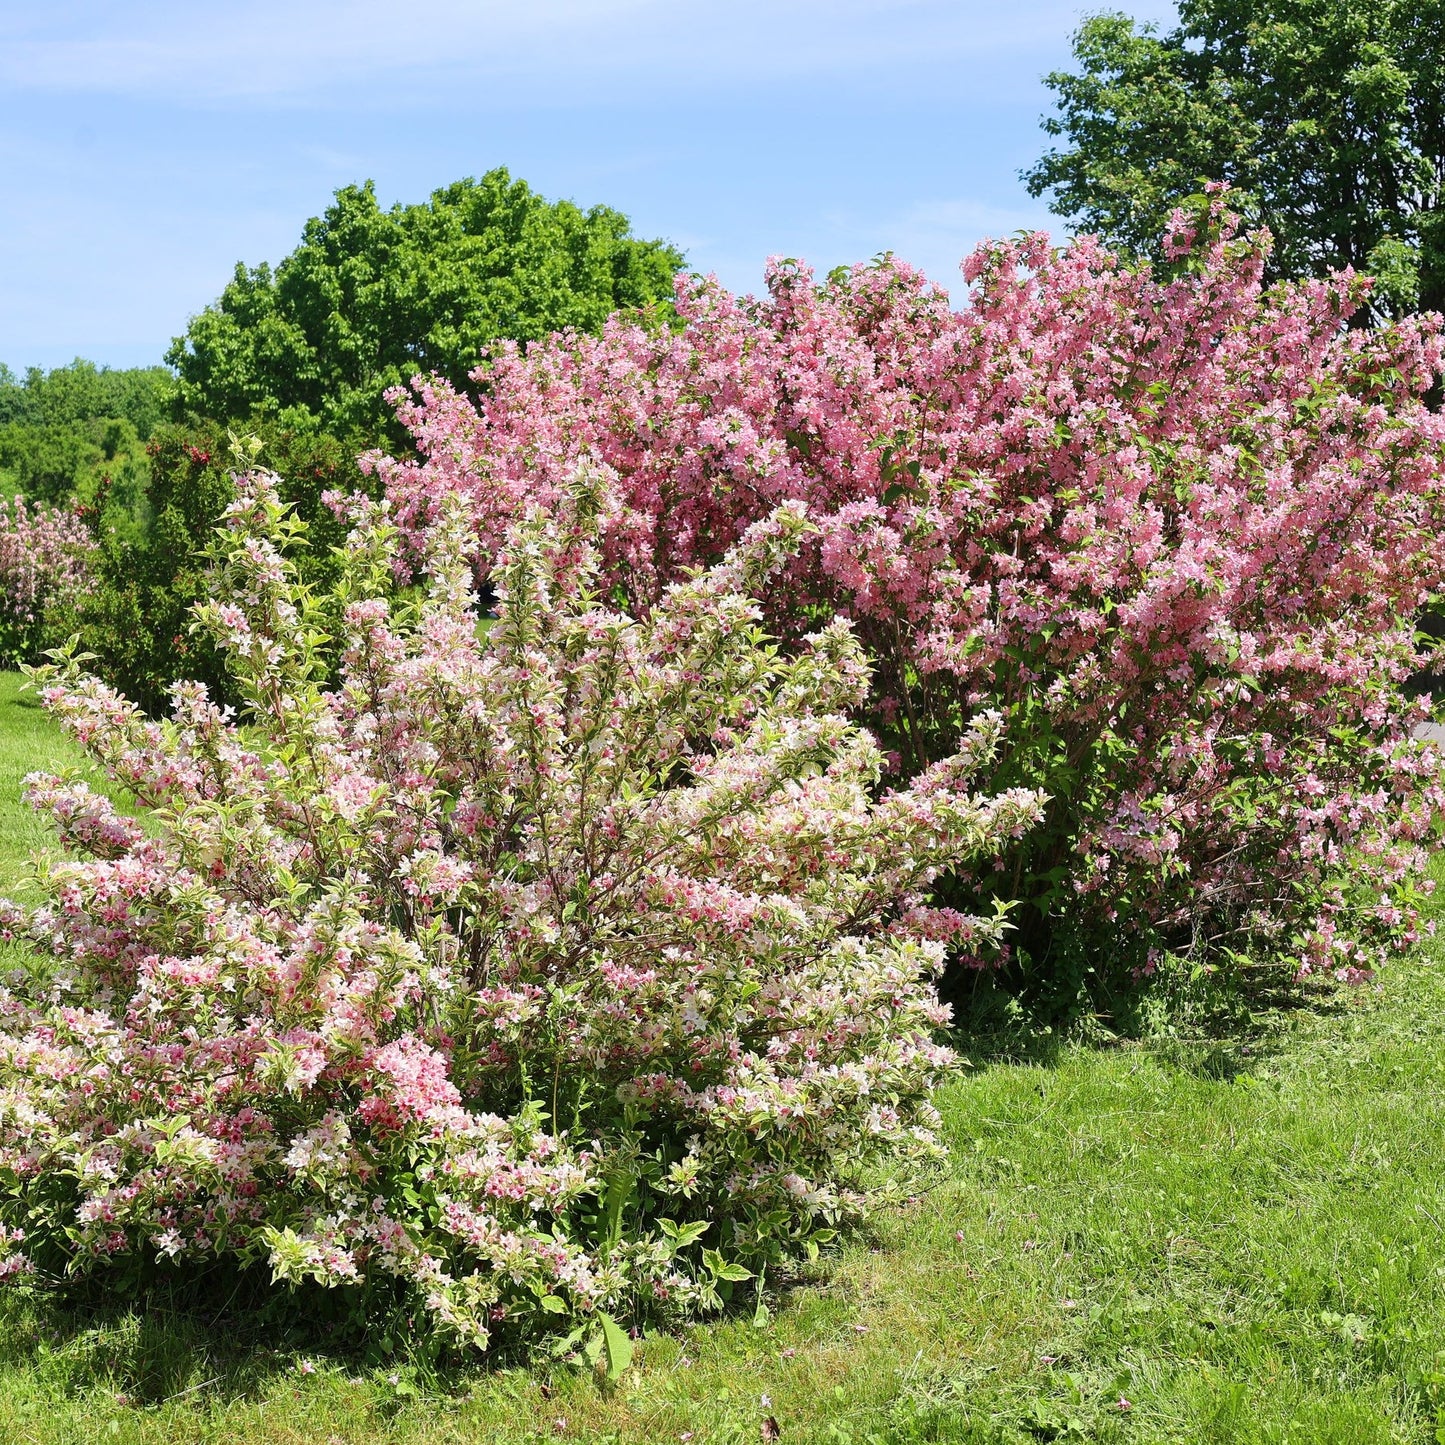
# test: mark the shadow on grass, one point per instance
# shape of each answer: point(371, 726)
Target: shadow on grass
point(233, 1336)
point(143, 1352)
point(1212, 1026)
point(227, 1335)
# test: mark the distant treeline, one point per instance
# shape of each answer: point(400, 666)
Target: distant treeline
point(76, 435)
point(81, 392)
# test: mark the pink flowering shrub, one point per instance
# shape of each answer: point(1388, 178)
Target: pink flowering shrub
point(1174, 528)
point(44, 566)
point(568, 967)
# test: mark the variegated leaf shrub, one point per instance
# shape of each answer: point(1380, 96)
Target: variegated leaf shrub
point(558, 967)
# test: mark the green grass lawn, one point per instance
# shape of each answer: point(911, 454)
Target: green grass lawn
point(1237, 1240)
point(28, 741)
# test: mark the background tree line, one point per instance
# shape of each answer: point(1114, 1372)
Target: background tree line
point(76, 436)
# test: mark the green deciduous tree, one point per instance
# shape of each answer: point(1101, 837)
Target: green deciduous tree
point(1328, 115)
point(371, 297)
point(82, 392)
point(75, 436)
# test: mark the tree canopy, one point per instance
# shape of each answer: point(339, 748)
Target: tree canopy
point(83, 392)
point(77, 433)
point(371, 297)
point(1328, 116)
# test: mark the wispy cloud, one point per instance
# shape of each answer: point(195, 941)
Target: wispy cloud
point(147, 145)
point(565, 51)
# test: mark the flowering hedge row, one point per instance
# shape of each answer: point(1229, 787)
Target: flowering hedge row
point(45, 557)
point(561, 971)
point(1174, 528)
point(575, 966)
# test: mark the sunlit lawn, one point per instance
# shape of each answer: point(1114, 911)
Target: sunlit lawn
point(28, 741)
point(1184, 1241)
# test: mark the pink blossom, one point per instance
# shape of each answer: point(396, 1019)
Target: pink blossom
point(1173, 527)
point(424, 972)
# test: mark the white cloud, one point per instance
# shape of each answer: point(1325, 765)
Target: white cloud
point(570, 50)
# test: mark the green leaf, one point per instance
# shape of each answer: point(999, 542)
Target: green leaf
point(682, 1235)
point(568, 1343)
point(721, 1269)
point(620, 1188)
point(592, 1350)
point(617, 1345)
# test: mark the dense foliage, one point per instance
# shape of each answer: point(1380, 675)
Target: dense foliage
point(1174, 530)
point(83, 391)
point(563, 967)
point(1329, 118)
point(95, 443)
point(46, 558)
point(372, 296)
point(137, 619)
point(77, 434)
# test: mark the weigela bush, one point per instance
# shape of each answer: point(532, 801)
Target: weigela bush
point(1175, 528)
point(564, 966)
point(45, 565)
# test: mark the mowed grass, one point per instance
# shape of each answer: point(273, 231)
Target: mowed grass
point(1194, 1241)
point(29, 742)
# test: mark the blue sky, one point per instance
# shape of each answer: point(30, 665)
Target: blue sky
point(145, 148)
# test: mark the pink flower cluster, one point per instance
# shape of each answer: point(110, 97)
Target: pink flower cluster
point(1174, 528)
point(549, 964)
point(44, 559)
